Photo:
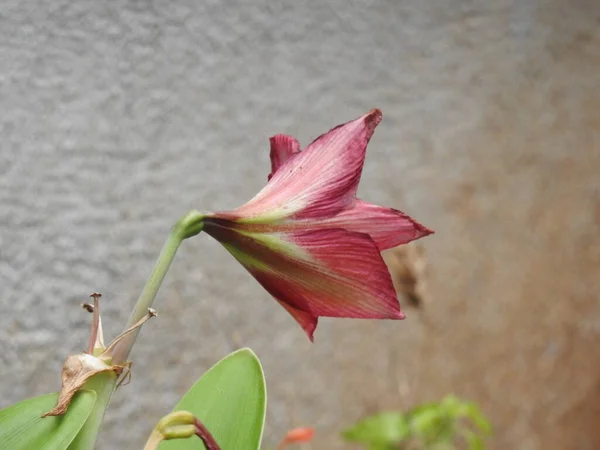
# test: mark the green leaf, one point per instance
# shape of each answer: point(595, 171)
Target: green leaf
point(433, 425)
point(230, 400)
point(474, 441)
point(452, 405)
point(103, 385)
point(478, 418)
point(22, 427)
point(380, 431)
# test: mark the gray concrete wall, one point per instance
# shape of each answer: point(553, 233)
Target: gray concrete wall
point(117, 117)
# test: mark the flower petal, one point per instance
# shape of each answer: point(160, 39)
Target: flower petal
point(282, 148)
point(326, 272)
point(387, 227)
point(318, 182)
point(307, 321)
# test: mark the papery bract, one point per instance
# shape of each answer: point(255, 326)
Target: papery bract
point(308, 240)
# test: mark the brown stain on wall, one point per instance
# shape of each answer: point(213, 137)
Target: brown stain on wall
point(514, 316)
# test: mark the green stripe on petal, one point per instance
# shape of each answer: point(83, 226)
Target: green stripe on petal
point(245, 258)
point(273, 242)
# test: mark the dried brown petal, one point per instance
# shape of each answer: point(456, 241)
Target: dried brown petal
point(75, 372)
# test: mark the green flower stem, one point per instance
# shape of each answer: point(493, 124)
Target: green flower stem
point(189, 225)
point(180, 425)
point(123, 348)
point(104, 385)
point(176, 425)
point(155, 439)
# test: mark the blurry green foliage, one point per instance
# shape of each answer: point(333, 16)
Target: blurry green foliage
point(449, 424)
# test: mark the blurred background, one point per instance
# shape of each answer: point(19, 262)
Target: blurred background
point(118, 117)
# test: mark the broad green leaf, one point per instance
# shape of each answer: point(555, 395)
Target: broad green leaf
point(22, 427)
point(380, 431)
point(230, 400)
point(103, 385)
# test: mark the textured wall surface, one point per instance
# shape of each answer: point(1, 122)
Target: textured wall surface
point(117, 117)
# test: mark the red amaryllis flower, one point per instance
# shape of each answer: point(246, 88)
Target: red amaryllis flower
point(308, 240)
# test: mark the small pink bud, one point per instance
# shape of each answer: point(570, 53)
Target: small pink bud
point(300, 435)
point(296, 436)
